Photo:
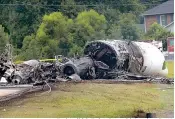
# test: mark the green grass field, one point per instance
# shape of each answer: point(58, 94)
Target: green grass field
point(92, 100)
point(170, 66)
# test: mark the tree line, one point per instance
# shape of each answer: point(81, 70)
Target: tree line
point(42, 29)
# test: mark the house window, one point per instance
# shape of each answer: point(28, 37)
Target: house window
point(171, 42)
point(163, 20)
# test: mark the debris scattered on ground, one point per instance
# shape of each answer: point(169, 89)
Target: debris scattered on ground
point(119, 60)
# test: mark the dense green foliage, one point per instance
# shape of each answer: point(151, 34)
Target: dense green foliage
point(42, 29)
point(58, 34)
point(128, 29)
point(3, 39)
point(157, 32)
point(91, 27)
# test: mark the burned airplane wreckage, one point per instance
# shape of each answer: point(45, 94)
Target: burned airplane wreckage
point(103, 59)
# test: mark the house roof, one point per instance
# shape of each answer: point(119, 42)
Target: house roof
point(164, 8)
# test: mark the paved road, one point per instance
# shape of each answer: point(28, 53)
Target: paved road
point(11, 91)
point(6, 92)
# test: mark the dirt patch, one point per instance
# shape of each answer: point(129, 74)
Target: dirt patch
point(166, 114)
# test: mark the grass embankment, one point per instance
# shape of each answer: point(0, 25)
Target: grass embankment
point(170, 66)
point(90, 100)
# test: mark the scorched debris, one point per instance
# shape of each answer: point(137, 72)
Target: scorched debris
point(103, 59)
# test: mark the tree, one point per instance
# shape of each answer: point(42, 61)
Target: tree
point(152, 3)
point(30, 49)
point(58, 34)
point(127, 26)
point(124, 6)
point(71, 9)
point(89, 26)
point(53, 35)
point(130, 6)
point(3, 39)
point(75, 51)
point(112, 17)
point(24, 17)
point(115, 32)
point(19, 21)
point(157, 32)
